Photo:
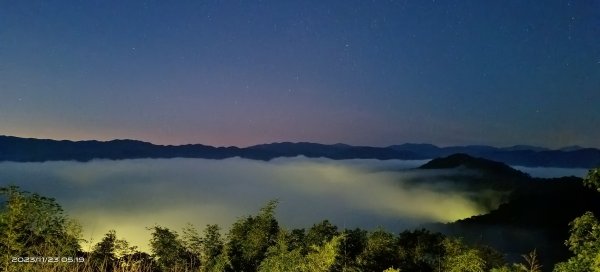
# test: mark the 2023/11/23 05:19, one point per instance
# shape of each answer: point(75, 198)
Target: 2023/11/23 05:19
point(48, 259)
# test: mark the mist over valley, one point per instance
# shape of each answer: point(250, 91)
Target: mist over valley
point(130, 195)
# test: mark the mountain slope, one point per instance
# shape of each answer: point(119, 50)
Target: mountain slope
point(535, 215)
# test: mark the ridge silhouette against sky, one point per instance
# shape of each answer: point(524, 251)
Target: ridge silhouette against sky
point(40, 150)
point(247, 72)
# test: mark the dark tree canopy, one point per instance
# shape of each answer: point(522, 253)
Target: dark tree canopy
point(34, 225)
point(584, 239)
point(249, 239)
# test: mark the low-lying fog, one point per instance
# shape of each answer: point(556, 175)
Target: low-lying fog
point(130, 195)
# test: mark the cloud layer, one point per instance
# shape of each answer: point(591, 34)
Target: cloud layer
point(130, 195)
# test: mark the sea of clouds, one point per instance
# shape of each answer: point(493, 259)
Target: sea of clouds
point(131, 195)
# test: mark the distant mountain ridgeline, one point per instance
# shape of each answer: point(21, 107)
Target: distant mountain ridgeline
point(35, 150)
point(523, 155)
point(32, 150)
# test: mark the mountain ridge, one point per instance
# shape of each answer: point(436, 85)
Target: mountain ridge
point(37, 150)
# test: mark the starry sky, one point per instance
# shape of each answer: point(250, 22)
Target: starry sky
point(248, 72)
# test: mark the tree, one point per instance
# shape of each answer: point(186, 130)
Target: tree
point(493, 258)
point(297, 240)
point(584, 238)
point(531, 264)
point(504, 268)
point(592, 179)
point(212, 248)
point(380, 252)
point(321, 233)
point(138, 261)
point(191, 240)
point(420, 250)
point(322, 258)
point(103, 255)
point(169, 251)
point(250, 237)
point(280, 258)
point(584, 242)
point(33, 225)
point(110, 252)
point(353, 243)
point(460, 258)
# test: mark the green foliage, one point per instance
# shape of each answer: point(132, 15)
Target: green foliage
point(584, 242)
point(572, 265)
point(280, 258)
point(584, 239)
point(467, 261)
point(33, 225)
point(493, 258)
point(460, 258)
point(137, 262)
point(212, 249)
point(592, 179)
point(420, 249)
point(380, 251)
point(322, 258)
point(297, 240)
point(170, 252)
point(111, 253)
point(353, 243)
point(103, 255)
point(249, 239)
point(321, 233)
point(191, 240)
point(255, 243)
point(504, 268)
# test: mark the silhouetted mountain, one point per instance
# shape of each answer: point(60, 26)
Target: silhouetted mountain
point(431, 151)
point(515, 155)
point(31, 150)
point(26, 149)
point(524, 147)
point(571, 148)
point(425, 150)
point(473, 175)
point(489, 167)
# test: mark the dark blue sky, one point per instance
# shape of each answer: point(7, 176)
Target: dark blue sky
point(247, 72)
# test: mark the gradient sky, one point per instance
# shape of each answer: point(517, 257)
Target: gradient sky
point(247, 72)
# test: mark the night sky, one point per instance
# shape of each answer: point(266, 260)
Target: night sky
point(249, 72)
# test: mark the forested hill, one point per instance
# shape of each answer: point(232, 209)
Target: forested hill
point(533, 218)
point(536, 214)
point(35, 150)
point(489, 167)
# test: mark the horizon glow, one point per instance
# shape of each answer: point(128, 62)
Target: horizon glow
point(252, 72)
